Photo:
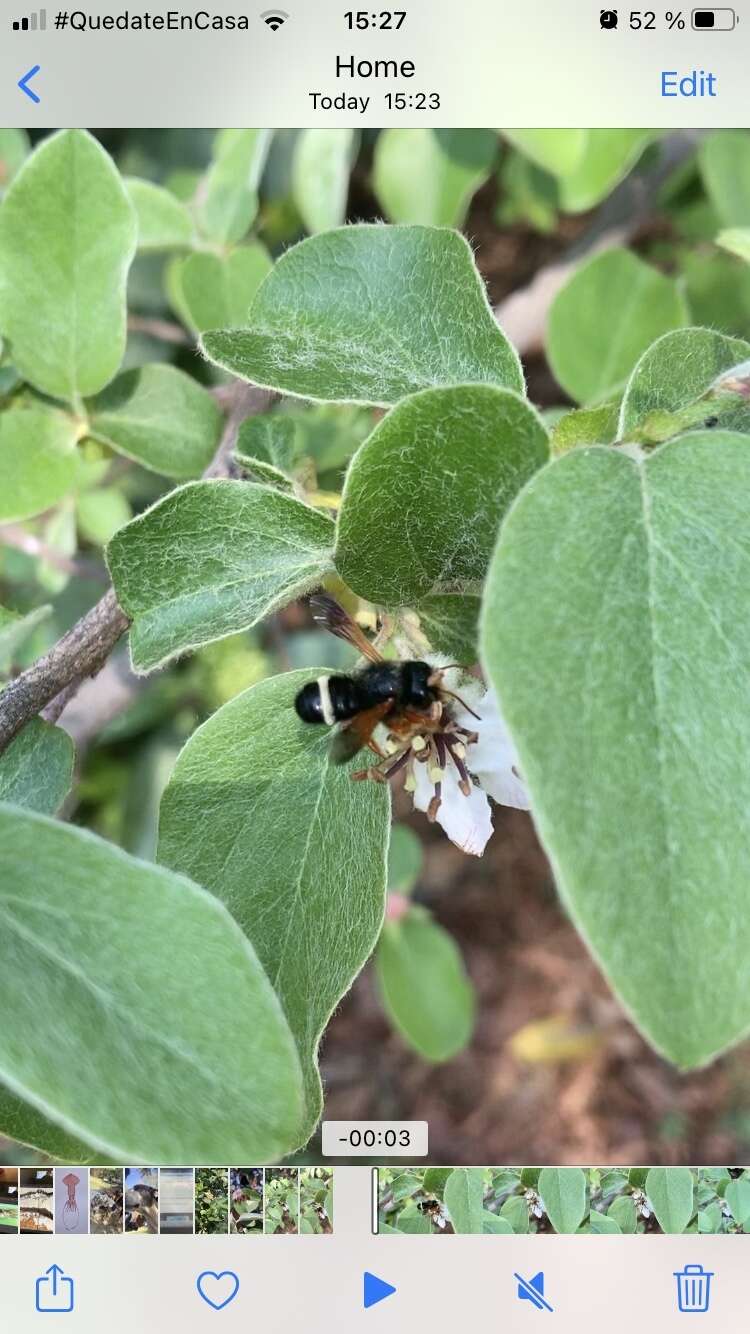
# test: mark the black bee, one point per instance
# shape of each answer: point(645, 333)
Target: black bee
point(434, 1210)
point(406, 696)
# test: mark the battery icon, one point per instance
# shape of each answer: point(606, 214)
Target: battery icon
point(714, 20)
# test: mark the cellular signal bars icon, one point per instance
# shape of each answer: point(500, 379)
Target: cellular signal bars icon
point(31, 23)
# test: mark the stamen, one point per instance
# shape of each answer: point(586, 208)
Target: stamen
point(434, 805)
point(410, 782)
point(417, 743)
point(436, 774)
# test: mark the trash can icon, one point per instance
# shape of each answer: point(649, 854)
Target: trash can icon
point(693, 1288)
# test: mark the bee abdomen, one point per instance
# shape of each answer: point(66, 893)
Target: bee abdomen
point(330, 699)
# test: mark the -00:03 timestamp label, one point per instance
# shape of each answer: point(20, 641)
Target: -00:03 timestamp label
point(371, 1139)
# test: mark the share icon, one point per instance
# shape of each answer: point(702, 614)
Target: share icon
point(532, 1290)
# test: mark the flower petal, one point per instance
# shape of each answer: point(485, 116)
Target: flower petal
point(466, 820)
point(493, 756)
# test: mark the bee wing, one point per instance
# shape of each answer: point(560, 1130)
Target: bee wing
point(356, 734)
point(327, 612)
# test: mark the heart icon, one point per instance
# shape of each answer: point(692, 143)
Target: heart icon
point(217, 1290)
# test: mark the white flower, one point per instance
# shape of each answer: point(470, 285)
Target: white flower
point(458, 768)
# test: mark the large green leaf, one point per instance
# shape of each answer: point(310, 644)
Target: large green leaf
point(463, 1198)
point(320, 176)
point(14, 149)
point(256, 812)
point(563, 1190)
point(160, 417)
point(606, 315)
point(212, 291)
point(36, 769)
point(425, 493)
point(676, 372)
point(725, 166)
point(368, 314)
point(39, 461)
point(228, 199)
point(737, 1196)
point(24, 1124)
point(111, 965)
point(638, 672)
point(67, 236)
point(426, 992)
point(429, 175)
point(210, 559)
point(670, 1190)
point(556, 151)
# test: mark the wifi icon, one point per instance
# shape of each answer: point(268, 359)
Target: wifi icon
point(274, 18)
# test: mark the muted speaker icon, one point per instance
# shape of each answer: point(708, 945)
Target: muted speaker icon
point(36, 22)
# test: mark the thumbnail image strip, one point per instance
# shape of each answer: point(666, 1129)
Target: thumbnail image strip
point(72, 1200)
point(316, 1200)
point(212, 1201)
point(8, 1201)
point(106, 1201)
point(176, 1207)
point(636, 1201)
point(281, 1213)
point(36, 1199)
point(246, 1201)
point(142, 1200)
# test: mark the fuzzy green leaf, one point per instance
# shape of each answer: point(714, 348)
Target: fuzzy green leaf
point(451, 623)
point(676, 373)
point(430, 175)
point(67, 236)
point(611, 309)
point(164, 223)
point(212, 291)
point(36, 769)
point(320, 176)
point(638, 670)
point(563, 1190)
point(425, 493)
point(423, 983)
point(160, 417)
point(14, 149)
point(256, 812)
point(23, 1123)
point(39, 461)
point(670, 1190)
point(368, 314)
point(463, 1198)
point(267, 447)
point(210, 559)
point(74, 1000)
point(585, 426)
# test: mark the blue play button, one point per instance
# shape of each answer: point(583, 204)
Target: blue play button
point(375, 1289)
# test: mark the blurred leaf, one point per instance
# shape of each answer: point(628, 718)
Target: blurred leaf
point(368, 314)
point(14, 149)
point(320, 176)
point(425, 493)
point(557, 151)
point(597, 666)
point(100, 513)
point(492, 1223)
point(737, 1196)
point(606, 315)
point(412, 1221)
point(159, 417)
point(515, 1211)
point(709, 1219)
point(211, 559)
point(608, 156)
point(38, 460)
point(725, 166)
point(603, 1223)
point(451, 623)
point(15, 629)
point(405, 859)
point(434, 1179)
point(622, 1210)
point(229, 198)
point(670, 1190)
point(36, 769)
point(426, 992)
point(67, 237)
point(430, 175)
point(164, 223)
point(736, 240)
point(463, 1199)
point(66, 956)
point(563, 1190)
point(297, 851)
point(212, 291)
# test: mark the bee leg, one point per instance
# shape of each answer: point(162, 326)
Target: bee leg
point(375, 748)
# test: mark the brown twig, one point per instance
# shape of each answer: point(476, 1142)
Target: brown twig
point(164, 330)
point(51, 683)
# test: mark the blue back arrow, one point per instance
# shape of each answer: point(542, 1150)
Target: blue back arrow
point(23, 83)
point(375, 1289)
